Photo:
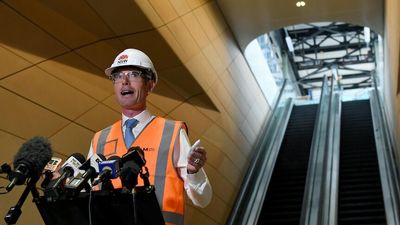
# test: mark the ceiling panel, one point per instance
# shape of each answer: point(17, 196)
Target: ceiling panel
point(196, 3)
point(112, 103)
point(164, 9)
point(195, 29)
point(203, 103)
point(150, 12)
point(9, 144)
point(129, 19)
point(101, 54)
point(232, 129)
point(25, 39)
point(193, 117)
point(151, 42)
point(183, 37)
point(44, 89)
point(26, 119)
point(199, 64)
point(215, 210)
point(10, 63)
point(215, 60)
point(71, 139)
point(181, 7)
point(74, 31)
point(221, 92)
point(226, 191)
point(180, 79)
point(155, 110)
point(98, 117)
point(221, 45)
point(81, 74)
point(165, 98)
point(173, 43)
point(214, 14)
point(206, 23)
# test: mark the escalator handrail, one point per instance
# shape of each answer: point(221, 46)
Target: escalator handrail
point(313, 203)
point(386, 151)
point(330, 185)
point(268, 160)
point(240, 213)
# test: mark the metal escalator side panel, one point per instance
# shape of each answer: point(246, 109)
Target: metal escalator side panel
point(283, 199)
point(387, 164)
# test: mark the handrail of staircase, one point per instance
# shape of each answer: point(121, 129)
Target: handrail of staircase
point(386, 151)
point(251, 195)
point(321, 195)
point(312, 202)
point(330, 185)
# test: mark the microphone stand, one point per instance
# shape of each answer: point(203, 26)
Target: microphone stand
point(107, 185)
point(145, 197)
point(14, 212)
point(145, 177)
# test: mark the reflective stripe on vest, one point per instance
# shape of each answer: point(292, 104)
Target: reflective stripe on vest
point(102, 139)
point(162, 159)
point(113, 138)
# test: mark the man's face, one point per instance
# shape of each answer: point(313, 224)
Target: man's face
point(131, 88)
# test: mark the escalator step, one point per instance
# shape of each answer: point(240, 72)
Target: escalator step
point(360, 191)
point(284, 197)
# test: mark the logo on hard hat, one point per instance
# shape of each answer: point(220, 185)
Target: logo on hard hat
point(122, 59)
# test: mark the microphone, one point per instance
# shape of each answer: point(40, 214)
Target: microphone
point(108, 170)
point(71, 166)
point(76, 184)
point(136, 154)
point(94, 161)
point(129, 173)
point(132, 162)
point(49, 169)
point(29, 161)
point(53, 164)
point(68, 169)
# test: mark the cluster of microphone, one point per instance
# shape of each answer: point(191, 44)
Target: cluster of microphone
point(34, 159)
point(77, 174)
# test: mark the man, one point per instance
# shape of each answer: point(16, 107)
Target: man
point(173, 168)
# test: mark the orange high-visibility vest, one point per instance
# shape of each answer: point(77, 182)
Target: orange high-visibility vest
point(157, 140)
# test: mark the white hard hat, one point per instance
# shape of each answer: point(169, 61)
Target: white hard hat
point(133, 57)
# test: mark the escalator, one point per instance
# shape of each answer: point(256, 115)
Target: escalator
point(360, 191)
point(283, 201)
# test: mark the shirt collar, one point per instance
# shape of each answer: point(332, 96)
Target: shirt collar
point(141, 117)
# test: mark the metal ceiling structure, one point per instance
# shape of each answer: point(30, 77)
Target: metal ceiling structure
point(341, 50)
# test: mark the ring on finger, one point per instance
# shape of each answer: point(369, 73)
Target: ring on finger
point(197, 160)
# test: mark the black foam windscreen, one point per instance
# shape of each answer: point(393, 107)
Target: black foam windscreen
point(79, 157)
point(34, 153)
point(129, 174)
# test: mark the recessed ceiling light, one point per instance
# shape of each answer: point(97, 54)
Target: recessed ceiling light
point(300, 3)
